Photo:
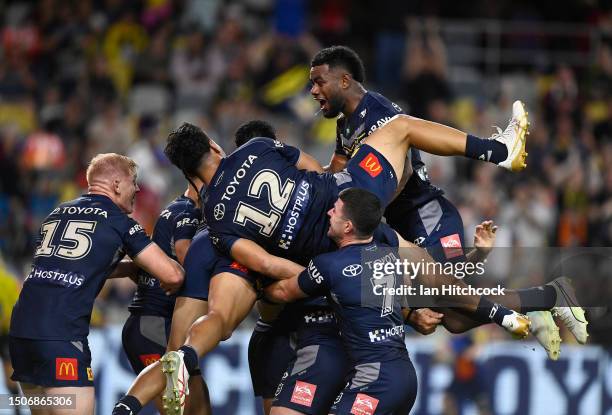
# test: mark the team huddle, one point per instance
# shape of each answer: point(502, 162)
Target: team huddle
point(268, 226)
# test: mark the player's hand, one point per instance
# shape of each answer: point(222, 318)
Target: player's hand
point(170, 289)
point(425, 320)
point(484, 237)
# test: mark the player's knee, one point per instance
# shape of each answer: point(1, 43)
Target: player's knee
point(221, 323)
point(453, 327)
point(198, 328)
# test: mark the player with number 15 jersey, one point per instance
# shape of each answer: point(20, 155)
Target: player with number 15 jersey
point(80, 244)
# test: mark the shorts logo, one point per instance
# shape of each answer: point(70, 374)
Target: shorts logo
point(303, 393)
point(371, 165)
point(279, 388)
point(364, 405)
point(66, 368)
point(89, 374)
point(452, 246)
point(149, 359)
point(235, 265)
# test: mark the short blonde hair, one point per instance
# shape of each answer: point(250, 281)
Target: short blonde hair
point(110, 165)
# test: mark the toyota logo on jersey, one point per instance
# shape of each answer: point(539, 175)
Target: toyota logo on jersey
point(352, 270)
point(219, 211)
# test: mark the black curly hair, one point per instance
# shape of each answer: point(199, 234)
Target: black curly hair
point(347, 58)
point(185, 148)
point(252, 129)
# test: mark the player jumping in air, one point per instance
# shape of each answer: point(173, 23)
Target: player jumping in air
point(258, 193)
point(420, 213)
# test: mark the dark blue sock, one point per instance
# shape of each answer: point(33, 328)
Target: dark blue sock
point(490, 311)
point(127, 405)
point(537, 298)
point(485, 150)
point(190, 357)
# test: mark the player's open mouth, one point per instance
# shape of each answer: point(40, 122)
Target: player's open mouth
point(322, 103)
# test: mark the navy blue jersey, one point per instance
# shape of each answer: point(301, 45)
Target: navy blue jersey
point(179, 220)
point(79, 245)
point(374, 111)
point(257, 193)
point(370, 318)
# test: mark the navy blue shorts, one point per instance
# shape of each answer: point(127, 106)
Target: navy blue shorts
point(313, 379)
point(381, 388)
point(369, 170)
point(202, 262)
point(270, 352)
point(435, 226)
point(145, 339)
point(51, 363)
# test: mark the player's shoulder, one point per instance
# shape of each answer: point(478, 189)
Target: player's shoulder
point(182, 204)
point(258, 142)
point(379, 102)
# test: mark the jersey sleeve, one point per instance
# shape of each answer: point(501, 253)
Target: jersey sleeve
point(313, 280)
point(134, 237)
point(186, 224)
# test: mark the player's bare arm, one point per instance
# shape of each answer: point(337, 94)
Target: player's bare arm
point(125, 268)
point(307, 162)
point(336, 164)
point(180, 248)
point(255, 258)
point(285, 291)
point(154, 261)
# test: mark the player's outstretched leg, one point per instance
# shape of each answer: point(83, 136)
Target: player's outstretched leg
point(230, 300)
point(505, 148)
point(456, 294)
point(186, 311)
point(557, 297)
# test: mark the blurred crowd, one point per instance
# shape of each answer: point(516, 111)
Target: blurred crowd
point(82, 77)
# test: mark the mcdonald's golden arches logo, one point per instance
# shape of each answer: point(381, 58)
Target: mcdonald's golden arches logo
point(66, 368)
point(149, 359)
point(371, 165)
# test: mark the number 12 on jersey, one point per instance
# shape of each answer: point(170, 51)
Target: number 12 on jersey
point(278, 199)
